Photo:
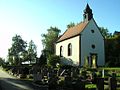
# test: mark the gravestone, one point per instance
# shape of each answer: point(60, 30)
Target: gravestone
point(112, 83)
point(68, 81)
point(35, 76)
point(100, 84)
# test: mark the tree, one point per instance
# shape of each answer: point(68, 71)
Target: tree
point(53, 60)
point(105, 32)
point(112, 51)
point(18, 46)
point(32, 52)
point(2, 61)
point(43, 59)
point(72, 24)
point(49, 40)
point(24, 56)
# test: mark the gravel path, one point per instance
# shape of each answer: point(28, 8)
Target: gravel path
point(8, 82)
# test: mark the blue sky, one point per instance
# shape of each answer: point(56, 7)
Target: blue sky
point(31, 18)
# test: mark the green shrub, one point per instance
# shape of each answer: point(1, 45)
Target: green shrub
point(53, 60)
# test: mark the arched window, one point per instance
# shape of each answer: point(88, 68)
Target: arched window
point(61, 51)
point(69, 49)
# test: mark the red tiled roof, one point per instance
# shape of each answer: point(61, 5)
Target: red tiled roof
point(73, 31)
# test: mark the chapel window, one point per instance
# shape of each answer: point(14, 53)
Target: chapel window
point(93, 46)
point(61, 51)
point(69, 49)
point(92, 31)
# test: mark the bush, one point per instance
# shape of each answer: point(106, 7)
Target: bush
point(53, 60)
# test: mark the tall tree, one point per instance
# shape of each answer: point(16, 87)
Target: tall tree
point(18, 46)
point(72, 24)
point(32, 51)
point(112, 51)
point(105, 32)
point(49, 40)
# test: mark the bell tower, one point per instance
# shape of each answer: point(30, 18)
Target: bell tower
point(87, 16)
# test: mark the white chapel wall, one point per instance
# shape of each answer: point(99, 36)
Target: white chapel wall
point(87, 39)
point(75, 49)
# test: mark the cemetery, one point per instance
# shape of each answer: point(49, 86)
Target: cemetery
point(69, 77)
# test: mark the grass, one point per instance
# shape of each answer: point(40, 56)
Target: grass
point(110, 68)
point(89, 86)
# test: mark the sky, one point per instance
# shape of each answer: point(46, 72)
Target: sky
point(31, 18)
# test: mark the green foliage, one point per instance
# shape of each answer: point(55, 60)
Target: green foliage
point(32, 52)
point(2, 61)
point(105, 32)
point(18, 46)
point(112, 47)
point(112, 51)
point(50, 39)
point(90, 86)
point(10, 59)
point(25, 56)
point(18, 52)
point(53, 60)
point(83, 72)
point(43, 59)
point(72, 24)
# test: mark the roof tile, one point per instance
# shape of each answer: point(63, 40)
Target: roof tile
point(73, 31)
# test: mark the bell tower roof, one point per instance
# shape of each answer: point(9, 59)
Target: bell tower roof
point(88, 15)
